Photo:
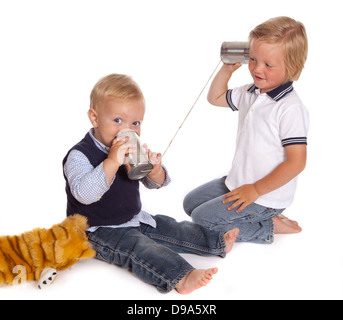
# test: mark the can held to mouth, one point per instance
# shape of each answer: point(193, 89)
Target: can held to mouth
point(139, 165)
point(234, 52)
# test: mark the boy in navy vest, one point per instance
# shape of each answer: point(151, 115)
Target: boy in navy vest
point(98, 187)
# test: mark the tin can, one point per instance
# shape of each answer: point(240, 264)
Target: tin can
point(234, 52)
point(139, 165)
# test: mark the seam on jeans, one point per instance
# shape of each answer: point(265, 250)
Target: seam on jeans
point(133, 258)
point(222, 242)
point(271, 236)
point(185, 244)
point(170, 285)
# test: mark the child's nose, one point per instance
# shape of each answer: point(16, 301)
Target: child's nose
point(258, 68)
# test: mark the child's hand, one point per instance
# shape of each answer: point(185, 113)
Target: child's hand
point(154, 158)
point(157, 174)
point(120, 150)
point(231, 68)
point(243, 196)
point(117, 157)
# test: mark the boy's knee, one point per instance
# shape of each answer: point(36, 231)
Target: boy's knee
point(200, 218)
point(187, 207)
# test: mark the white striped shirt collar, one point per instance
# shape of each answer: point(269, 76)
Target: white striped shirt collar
point(278, 93)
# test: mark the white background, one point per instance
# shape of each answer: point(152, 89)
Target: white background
point(53, 52)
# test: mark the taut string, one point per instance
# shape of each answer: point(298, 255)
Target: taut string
point(184, 120)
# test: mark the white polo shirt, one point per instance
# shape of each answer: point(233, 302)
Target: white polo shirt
point(267, 123)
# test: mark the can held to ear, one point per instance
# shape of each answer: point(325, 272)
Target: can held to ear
point(139, 165)
point(234, 52)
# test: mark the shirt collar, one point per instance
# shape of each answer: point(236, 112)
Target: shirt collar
point(278, 93)
point(100, 146)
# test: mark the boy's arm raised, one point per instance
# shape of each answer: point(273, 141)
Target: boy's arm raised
point(219, 86)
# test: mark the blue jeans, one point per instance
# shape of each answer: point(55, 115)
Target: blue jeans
point(255, 222)
point(152, 253)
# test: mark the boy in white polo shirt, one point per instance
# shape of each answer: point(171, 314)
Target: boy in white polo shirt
point(271, 138)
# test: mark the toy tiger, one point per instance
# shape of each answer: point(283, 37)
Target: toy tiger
point(39, 254)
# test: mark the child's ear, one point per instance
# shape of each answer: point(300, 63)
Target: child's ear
point(93, 117)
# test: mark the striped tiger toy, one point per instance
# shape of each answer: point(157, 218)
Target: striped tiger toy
point(40, 253)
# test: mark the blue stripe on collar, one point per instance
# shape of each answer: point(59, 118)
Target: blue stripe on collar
point(278, 93)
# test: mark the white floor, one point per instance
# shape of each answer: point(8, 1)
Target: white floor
point(302, 266)
point(286, 270)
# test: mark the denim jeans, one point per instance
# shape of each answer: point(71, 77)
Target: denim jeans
point(255, 222)
point(152, 254)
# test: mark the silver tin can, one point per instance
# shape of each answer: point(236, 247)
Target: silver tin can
point(139, 165)
point(234, 52)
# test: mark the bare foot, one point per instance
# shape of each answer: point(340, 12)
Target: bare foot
point(286, 220)
point(230, 238)
point(283, 225)
point(195, 280)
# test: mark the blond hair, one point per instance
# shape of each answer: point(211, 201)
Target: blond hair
point(292, 35)
point(117, 86)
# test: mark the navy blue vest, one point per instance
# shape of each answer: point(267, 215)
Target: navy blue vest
point(118, 205)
